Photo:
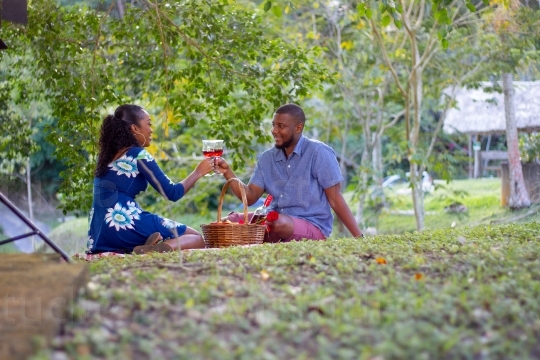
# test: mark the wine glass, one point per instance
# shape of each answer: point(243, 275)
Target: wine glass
point(212, 149)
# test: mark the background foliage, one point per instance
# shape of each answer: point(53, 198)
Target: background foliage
point(199, 67)
point(220, 68)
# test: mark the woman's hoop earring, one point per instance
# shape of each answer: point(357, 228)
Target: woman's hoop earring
point(144, 137)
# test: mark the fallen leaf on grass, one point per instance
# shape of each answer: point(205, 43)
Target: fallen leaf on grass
point(189, 303)
point(418, 276)
point(295, 289)
point(380, 261)
point(83, 349)
point(264, 275)
point(315, 308)
point(92, 286)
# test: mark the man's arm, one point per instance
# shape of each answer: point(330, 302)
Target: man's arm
point(340, 207)
point(253, 192)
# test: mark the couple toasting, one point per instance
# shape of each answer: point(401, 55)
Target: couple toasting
point(301, 174)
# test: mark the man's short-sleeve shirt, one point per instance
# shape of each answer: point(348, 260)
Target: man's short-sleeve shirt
point(297, 183)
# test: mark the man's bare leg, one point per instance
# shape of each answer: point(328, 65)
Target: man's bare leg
point(282, 228)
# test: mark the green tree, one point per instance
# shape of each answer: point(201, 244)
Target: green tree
point(354, 109)
point(517, 30)
point(192, 63)
point(367, 101)
point(418, 29)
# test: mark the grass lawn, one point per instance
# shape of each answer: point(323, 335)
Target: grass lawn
point(461, 293)
point(481, 197)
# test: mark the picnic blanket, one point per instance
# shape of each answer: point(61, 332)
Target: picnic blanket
point(92, 257)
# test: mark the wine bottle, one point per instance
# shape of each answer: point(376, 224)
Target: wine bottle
point(259, 216)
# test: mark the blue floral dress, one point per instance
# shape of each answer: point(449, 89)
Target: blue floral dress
point(116, 220)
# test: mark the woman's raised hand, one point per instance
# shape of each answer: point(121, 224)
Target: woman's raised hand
point(205, 167)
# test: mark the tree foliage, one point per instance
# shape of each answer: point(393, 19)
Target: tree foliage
point(392, 12)
point(191, 63)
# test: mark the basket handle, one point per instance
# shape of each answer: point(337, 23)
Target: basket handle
point(244, 199)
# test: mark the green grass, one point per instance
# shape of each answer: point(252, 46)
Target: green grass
point(462, 293)
point(482, 198)
point(8, 248)
point(70, 236)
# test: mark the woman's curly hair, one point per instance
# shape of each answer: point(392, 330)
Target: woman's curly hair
point(115, 134)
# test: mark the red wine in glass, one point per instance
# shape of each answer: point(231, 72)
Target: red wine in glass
point(211, 153)
point(212, 149)
point(218, 152)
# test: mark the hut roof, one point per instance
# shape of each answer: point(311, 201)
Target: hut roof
point(479, 111)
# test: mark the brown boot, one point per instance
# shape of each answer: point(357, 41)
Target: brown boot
point(144, 249)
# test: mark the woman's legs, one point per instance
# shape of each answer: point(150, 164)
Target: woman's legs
point(191, 239)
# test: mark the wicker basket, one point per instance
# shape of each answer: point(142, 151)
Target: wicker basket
point(223, 234)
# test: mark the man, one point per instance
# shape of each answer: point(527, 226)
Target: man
point(304, 178)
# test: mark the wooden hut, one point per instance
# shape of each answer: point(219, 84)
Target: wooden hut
point(480, 112)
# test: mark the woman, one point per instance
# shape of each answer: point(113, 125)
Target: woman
point(124, 169)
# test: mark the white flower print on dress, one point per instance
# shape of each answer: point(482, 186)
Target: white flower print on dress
point(170, 224)
point(89, 244)
point(91, 216)
point(134, 209)
point(145, 155)
point(119, 217)
point(125, 165)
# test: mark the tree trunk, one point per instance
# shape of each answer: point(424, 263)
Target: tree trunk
point(120, 7)
point(519, 197)
point(342, 165)
point(417, 196)
point(377, 161)
point(343, 168)
point(416, 82)
point(364, 179)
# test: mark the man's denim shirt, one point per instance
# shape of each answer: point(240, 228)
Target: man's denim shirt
point(297, 183)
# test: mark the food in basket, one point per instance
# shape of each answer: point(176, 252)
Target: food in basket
point(227, 221)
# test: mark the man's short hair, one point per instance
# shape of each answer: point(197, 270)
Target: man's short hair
point(294, 111)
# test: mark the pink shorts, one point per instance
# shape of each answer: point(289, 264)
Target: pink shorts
point(303, 229)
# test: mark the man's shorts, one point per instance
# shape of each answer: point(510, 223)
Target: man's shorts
point(303, 229)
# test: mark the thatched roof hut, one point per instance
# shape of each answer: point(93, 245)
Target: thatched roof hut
point(481, 113)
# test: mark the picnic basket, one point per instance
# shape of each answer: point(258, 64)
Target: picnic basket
point(222, 234)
